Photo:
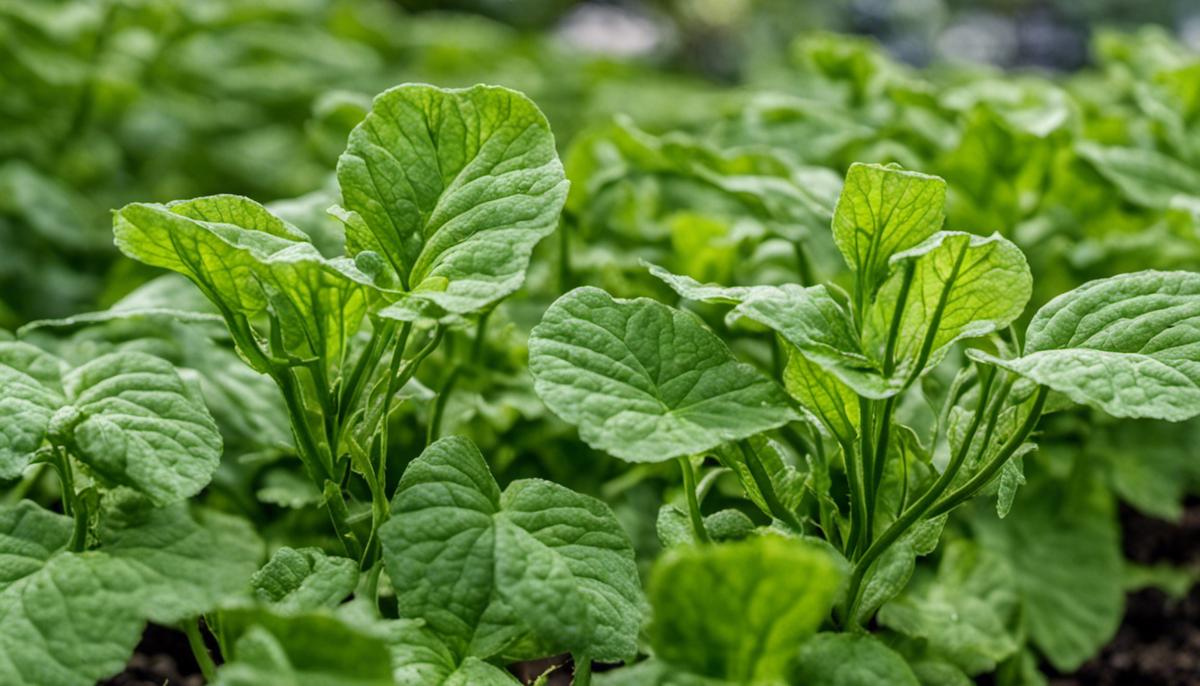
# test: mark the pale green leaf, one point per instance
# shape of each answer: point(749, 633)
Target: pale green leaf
point(1128, 345)
point(773, 593)
point(74, 618)
point(420, 658)
point(951, 287)
point(831, 401)
point(1146, 177)
point(832, 659)
point(32, 385)
point(305, 579)
point(882, 211)
point(644, 381)
point(537, 563)
point(453, 188)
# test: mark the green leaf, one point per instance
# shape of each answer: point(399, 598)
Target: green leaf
point(691, 289)
point(1146, 177)
point(951, 287)
point(305, 579)
point(32, 385)
point(135, 423)
point(831, 401)
point(674, 527)
point(963, 615)
point(420, 658)
point(832, 659)
point(486, 570)
point(1066, 557)
point(787, 482)
point(1128, 345)
point(888, 576)
point(74, 618)
point(820, 328)
point(453, 188)
point(646, 382)
point(882, 211)
point(774, 592)
point(249, 262)
point(301, 650)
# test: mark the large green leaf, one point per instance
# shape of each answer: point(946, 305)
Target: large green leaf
point(644, 381)
point(1128, 345)
point(832, 659)
point(1066, 556)
point(32, 385)
point(453, 188)
point(953, 286)
point(249, 262)
point(882, 211)
point(736, 611)
point(537, 563)
point(74, 618)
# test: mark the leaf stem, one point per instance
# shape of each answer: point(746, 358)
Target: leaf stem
point(689, 488)
point(767, 488)
point(867, 462)
point(583, 669)
point(191, 628)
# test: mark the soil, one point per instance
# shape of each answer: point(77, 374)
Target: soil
point(1158, 643)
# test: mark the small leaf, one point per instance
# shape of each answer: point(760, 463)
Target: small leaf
point(774, 592)
point(951, 287)
point(646, 382)
point(486, 570)
point(453, 188)
point(421, 659)
point(305, 579)
point(1128, 345)
point(32, 385)
point(882, 211)
point(888, 576)
point(832, 659)
point(833, 403)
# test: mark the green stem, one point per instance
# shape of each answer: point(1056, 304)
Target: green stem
point(689, 488)
point(983, 476)
point(866, 457)
point(918, 509)
point(583, 671)
point(767, 488)
point(880, 459)
point(191, 627)
point(858, 501)
point(381, 335)
point(339, 514)
point(31, 477)
point(439, 407)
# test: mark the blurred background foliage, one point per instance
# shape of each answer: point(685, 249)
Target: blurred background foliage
point(708, 136)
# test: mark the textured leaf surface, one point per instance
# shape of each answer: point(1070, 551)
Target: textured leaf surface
point(646, 382)
point(74, 618)
point(774, 592)
point(1128, 345)
point(453, 188)
point(32, 385)
point(953, 286)
point(486, 569)
point(1146, 177)
point(832, 659)
point(833, 403)
point(882, 211)
point(134, 422)
point(420, 658)
point(305, 579)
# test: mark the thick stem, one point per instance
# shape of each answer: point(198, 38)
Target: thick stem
point(867, 460)
point(339, 514)
point(689, 488)
point(583, 671)
point(918, 509)
point(191, 628)
point(858, 500)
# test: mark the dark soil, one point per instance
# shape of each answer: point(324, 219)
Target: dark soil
point(163, 658)
point(1158, 643)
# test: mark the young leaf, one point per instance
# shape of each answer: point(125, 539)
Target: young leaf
point(646, 382)
point(953, 286)
point(420, 658)
point(833, 402)
point(32, 385)
point(305, 579)
point(1128, 345)
point(74, 618)
point(833, 659)
point(485, 569)
point(453, 188)
point(774, 592)
point(135, 423)
point(882, 211)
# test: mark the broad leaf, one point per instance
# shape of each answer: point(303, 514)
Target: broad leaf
point(882, 211)
point(646, 382)
point(951, 287)
point(1128, 345)
point(305, 579)
point(420, 658)
point(774, 592)
point(485, 570)
point(832, 659)
point(135, 423)
point(32, 385)
point(74, 618)
point(453, 188)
